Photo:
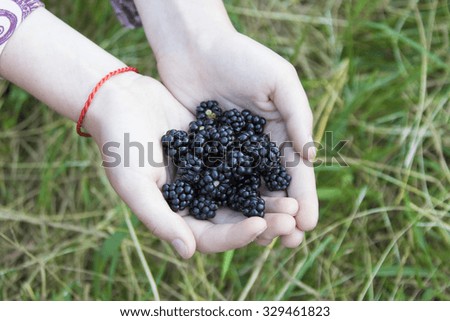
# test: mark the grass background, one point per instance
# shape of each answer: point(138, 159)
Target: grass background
point(377, 75)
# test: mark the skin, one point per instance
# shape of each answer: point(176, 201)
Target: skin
point(201, 56)
point(128, 103)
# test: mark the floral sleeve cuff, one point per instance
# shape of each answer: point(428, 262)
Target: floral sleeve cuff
point(127, 13)
point(12, 13)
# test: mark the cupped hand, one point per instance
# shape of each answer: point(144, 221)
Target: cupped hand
point(240, 73)
point(127, 120)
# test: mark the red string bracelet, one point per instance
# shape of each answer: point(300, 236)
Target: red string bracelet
point(92, 94)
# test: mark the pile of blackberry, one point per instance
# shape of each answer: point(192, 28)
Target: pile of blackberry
point(222, 161)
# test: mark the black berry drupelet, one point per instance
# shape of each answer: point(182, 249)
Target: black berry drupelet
point(203, 208)
point(179, 194)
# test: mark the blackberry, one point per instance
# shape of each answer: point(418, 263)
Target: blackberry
point(203, 208)
point(197, 126)
point(245, 192)
point(244, 137)
point(270, 158)
point(179, 194)
point(232, 199)
point(208, 110)
point(214, 184)
point(264, 153)
point(254, 123)
point(234, 119)
point(206, 146)
point(175, 143)
point(277, 179)
point(253, 181)
point(256, 146)
point(189, 168)
point(253, 206)
point(197, 143)
point(240, 164)
point(225, 137)
point(249, 201)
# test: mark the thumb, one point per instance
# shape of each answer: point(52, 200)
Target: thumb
point(146, 201)
point(291, 101)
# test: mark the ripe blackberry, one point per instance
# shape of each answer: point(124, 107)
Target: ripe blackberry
point(175, 143)
point(244, 192)
point(253, 181)
point(197, 143)
point(277, 179)
point(225, 137)
point(203, 208)
point(178, 194)
point(234, 119)
point(209, 110)
point(238, 194)
point(240, 164)
point(189, 168)
point(197, 126)
point(214, 184)
point(253, 206)
point(249, 201)
point(232, 199)
point(205, 148)
point(270, 158)
point(253, 122)
point(244, 137)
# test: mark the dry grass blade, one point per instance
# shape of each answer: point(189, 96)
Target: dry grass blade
point(138, 248)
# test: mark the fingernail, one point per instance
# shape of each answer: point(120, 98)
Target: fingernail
point(180, 247)
point(312, 151)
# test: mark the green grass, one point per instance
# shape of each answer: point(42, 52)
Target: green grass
point(377, 75)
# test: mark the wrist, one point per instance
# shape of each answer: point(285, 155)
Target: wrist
point(175, 26)
point(109, 102)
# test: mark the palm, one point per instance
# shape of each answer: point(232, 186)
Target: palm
point(241, 73)
point(150, 112)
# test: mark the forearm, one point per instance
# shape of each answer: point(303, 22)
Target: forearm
point(55, 63)
point(173, 25)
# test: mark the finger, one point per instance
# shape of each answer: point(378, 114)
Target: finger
point(147, 202)
point(303, 189)
point(291, 101)
point(293, 240)
point(286, 205)
point(213, 238)
point(277, 224)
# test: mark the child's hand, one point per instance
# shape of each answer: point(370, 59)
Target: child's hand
point(145, 110)
point(239, 72)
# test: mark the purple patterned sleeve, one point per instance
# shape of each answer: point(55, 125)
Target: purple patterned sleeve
point(12, 13)
point(127, 13)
